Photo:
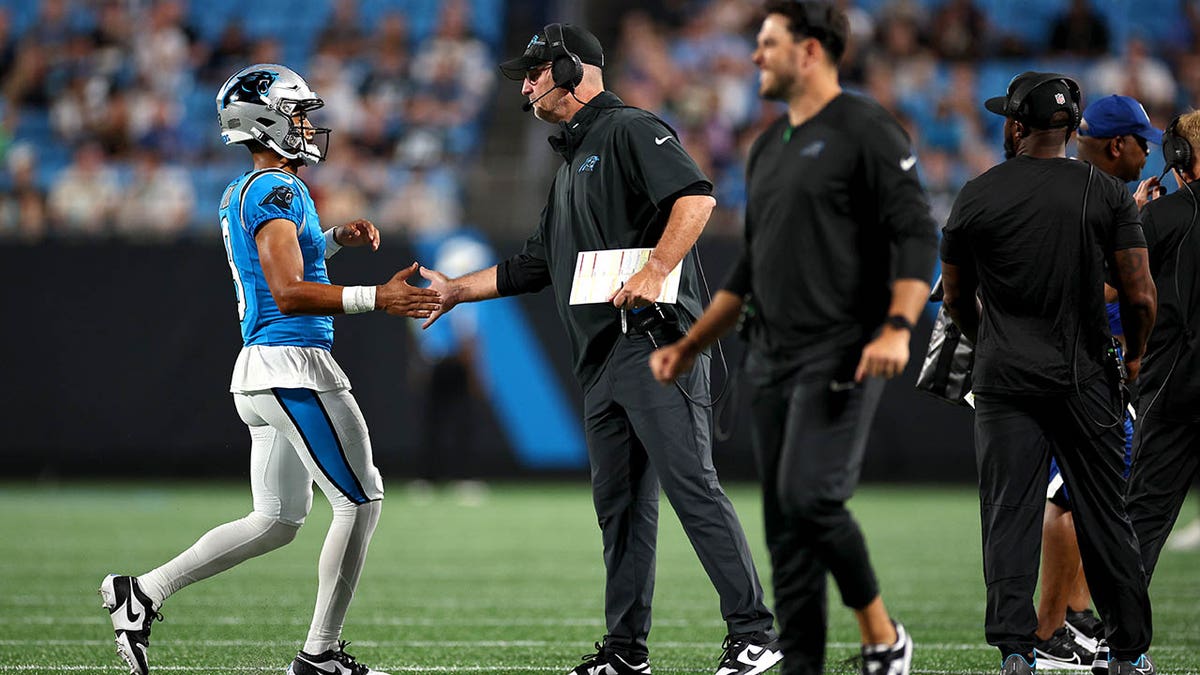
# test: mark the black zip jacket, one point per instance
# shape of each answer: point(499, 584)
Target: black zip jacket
point(623, 169)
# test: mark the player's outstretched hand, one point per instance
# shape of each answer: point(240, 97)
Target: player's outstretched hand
point(399, 298)
point(359, 232)
point(446, 289)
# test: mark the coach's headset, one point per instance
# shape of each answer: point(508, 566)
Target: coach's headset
point(566, 68)
point(1017, 107)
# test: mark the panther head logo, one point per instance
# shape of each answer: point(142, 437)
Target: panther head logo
point(250, 88)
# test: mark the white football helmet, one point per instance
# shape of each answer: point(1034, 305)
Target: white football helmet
point(269, 103)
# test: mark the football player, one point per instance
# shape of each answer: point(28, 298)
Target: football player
point(305, 425)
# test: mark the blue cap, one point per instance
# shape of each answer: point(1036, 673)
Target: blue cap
point(1114, 116)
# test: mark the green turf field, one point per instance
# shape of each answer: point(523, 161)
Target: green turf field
point(511, 585)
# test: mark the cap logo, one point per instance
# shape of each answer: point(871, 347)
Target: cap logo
point(1060, 99)
point(535, 40)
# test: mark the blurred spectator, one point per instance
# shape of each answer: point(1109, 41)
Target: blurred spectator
point(1081, 31)
point(163, 50)
point(453, 54)
point(158, 204)
point(343, 35)
point(420, 207)
point(229, 54)
point(84, 196)
point(23, 215)
point(959, 31)
point(8, 47)
point(1138, 74)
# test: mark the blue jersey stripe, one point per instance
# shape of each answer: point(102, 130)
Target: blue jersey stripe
point(304, 408)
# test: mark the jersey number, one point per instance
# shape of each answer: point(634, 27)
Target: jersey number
point(237, 278)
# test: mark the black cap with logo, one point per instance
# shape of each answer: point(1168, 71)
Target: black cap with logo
point(577, 40)
point(1036, 98)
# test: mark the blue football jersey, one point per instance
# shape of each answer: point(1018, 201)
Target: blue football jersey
point(250, 201)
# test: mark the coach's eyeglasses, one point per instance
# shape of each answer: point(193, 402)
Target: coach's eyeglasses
point(1142, 143)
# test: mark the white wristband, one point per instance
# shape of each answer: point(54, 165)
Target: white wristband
point(331, 245)
point(358, 299)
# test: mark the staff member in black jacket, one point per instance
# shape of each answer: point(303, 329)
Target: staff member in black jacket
point(838, 254)
point(1167, 442)
point(625, 182)
point(1032, 238)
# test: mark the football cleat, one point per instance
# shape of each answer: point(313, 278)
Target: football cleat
point(893, 659)
point(1142, 666)
point(1061, 652)
point(329, 662)
point(1086, 628)
point(608, 662)
point(748, 654)
point(132, 613)
point(1100, 663)
point(1016, 664)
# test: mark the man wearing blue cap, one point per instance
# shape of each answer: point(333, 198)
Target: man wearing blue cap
point(1114, 136)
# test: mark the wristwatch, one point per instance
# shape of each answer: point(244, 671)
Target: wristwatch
point(898, 321)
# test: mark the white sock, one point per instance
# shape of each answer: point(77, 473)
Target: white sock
point(342, 559)
point(219, 549)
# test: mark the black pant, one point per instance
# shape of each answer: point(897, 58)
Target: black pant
point(810, 434)
point(1166, 458)
point(641, 434)
point(1015, 437)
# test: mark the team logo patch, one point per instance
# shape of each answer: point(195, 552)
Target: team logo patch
point(281, 196)
point(1060, 99)
point(589, 164)
point(252, 87)
point(535, 40)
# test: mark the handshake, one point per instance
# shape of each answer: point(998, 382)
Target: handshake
point(399, 298)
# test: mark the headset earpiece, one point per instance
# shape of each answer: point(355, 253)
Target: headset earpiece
point(565, 66)
point(1177, 150)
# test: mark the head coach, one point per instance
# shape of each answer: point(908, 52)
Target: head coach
point(1166, 443)
point(625, 182)
point(839, 248)
point(1025, 254)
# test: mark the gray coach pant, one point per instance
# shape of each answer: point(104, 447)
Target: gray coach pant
point(641, 434)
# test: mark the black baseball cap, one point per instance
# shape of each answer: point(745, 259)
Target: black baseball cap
point(577, 40)
point(1035, 98)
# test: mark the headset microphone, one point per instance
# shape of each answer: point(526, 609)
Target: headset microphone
point(528, 105)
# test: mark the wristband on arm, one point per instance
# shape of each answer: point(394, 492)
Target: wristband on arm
point(331, 245)
point(358, 299)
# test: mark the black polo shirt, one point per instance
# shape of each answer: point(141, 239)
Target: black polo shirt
point(622, 171)
point(1041, 271)
point(1174, 248)
point(835, 212)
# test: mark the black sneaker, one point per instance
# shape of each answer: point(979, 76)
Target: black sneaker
point(1016, 664)
point(893, 659)
point(1100, 663)
point(329, 662)
point(1086, 627)
point(748, 654)
point(1061, 652)
point(608, 662)
point(131, 612)
point(1143, 666)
